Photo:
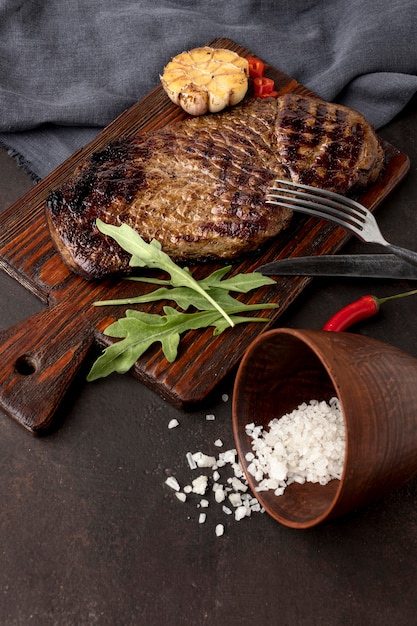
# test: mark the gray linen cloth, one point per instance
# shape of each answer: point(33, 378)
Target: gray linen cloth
point(68, 68)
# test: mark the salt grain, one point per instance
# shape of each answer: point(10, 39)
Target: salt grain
point(237, 484)
point(241, 512)
point(219, 530)
point(305, 445)
point(173, 483)
point(235, 499)
point(173, 423)
point(200, 485)
point(228, 456)
point(204, 460)
point(191, 461)
point(219, 495)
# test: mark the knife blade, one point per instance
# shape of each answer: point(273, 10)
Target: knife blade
point(349, 265)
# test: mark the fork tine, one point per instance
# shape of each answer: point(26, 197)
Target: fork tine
point(322, 196)
point(307, 208)
point(289, 185)
point(333, 208)
point(312, 203)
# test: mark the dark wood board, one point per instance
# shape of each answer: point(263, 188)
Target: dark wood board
point(41, 355)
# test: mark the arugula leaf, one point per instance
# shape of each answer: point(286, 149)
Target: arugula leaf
point(151, 255)
point(241, 283)
point(183, 296)
point(186, 297)
point(138, 331)
point(210, 296)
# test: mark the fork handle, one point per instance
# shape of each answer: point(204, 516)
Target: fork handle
point(407, 255)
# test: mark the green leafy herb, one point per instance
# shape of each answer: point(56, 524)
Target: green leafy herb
point(150, 255)
point(183, 296)
point(186, 297)
point(139, 331)
point(242, 283)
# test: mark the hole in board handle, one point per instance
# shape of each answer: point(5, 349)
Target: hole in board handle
point(26, 365)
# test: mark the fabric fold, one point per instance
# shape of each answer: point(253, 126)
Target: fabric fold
point(68, 69)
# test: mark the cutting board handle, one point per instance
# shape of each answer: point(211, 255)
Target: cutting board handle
point(39, 358)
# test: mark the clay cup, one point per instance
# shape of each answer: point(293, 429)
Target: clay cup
point(376, 385)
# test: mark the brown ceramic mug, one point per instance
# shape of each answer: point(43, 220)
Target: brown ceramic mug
point(376, 385)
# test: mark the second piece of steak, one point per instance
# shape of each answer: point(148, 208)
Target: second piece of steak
point(198, 186)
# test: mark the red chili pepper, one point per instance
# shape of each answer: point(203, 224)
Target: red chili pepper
point(256, 67)
point(361, 309)
point(272, 94)
point(264, 87)
point(262, 84)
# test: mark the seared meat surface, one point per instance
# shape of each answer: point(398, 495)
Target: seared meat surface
point(198, 186)
point(326, 145)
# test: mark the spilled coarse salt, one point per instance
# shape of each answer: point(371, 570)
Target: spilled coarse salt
point(241, 512)
point(173, 423)
point(235, 499)
point(307, 444)
point(204, 460)
point(228, 457)
point(200, 485)
point(237, 484)
point(224, 488)
point(173, 483)
point(191, 461)
point(219, 530)
point(225, 397)
point(219, 493)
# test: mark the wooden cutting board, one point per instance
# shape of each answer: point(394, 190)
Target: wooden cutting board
point(41, 355)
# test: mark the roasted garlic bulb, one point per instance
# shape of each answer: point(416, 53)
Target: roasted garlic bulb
point(206, 79)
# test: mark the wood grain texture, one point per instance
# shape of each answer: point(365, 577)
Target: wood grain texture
point(56, 341)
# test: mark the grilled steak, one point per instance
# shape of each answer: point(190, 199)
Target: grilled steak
point(198, 186)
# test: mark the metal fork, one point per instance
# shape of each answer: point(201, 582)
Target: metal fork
point(335, 208)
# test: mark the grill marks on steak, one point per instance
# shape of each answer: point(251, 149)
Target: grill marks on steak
point(199, 186)
point(327, 145)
